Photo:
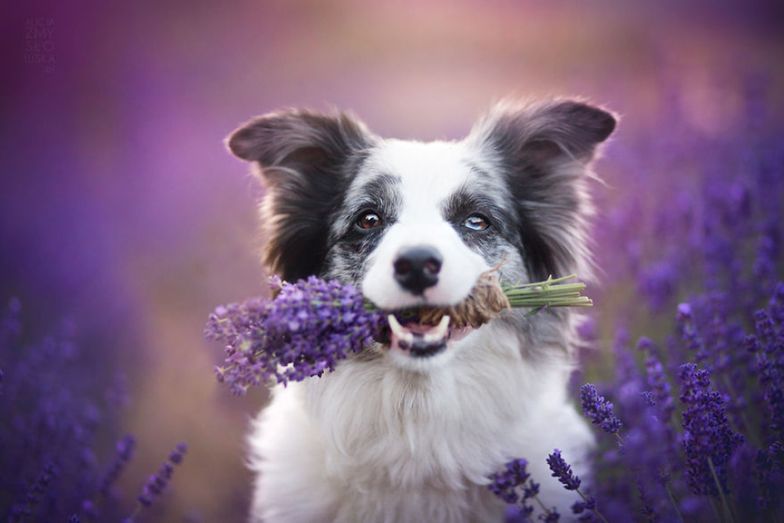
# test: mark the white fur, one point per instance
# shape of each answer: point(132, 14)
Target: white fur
point(400, 439)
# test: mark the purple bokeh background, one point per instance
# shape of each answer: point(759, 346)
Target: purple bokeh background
point(121, 210)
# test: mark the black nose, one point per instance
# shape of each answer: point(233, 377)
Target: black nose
point(416, 268)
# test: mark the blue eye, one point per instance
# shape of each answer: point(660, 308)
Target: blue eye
point(476, 222)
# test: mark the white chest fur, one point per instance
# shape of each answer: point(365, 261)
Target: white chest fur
point(372, 442)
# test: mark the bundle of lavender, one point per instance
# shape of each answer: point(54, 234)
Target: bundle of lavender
point(310, 325)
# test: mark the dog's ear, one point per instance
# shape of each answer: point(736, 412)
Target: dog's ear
point(543, 150)
point(305, 160)
point(539, 132)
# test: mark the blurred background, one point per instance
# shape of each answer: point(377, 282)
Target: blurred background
point(124, 221)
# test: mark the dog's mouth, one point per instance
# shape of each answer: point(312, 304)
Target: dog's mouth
point(421, 340)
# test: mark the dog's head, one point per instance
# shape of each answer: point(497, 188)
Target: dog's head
point(415, 223)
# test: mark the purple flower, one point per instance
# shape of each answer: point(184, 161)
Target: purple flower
point(37, 489)
point(504, 484)
point(53, 414)
point(776, 306)
point(708, 441)
point(658, 282)
point(157, 482)
point(661, 392)
point(124, 453)
point(563, 471)
point(596, 407)
point(688, 332)
point(515, 486)
point(304, 331)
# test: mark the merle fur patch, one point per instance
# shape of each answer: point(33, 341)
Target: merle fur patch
point(543, 150)
point(307, 161)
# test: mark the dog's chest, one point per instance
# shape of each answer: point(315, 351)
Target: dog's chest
point(443, 430)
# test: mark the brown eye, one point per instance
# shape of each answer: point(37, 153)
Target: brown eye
point(476, 222)
point(368, 220)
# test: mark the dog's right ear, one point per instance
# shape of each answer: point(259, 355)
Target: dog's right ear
point(305, 161)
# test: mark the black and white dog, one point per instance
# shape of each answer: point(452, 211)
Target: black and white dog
point(403, 435)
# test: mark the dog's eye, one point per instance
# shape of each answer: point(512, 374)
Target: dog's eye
point(476, 222)
point(368, 220)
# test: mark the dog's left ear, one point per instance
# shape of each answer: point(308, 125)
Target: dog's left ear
point(538, 132)
point(543, 150)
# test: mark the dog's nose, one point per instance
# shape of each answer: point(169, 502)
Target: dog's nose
point(416, 268)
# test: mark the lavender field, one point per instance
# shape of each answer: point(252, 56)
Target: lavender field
point(124, 222)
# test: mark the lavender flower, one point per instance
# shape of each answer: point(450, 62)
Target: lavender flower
point(562, 471)
point(708, 441)
point(515, 486)
point(661, 392)
point(688, 331)
point(776, 306)
point(36, 491)
point(581, 506)
point(505, 484)
point(53, 413)
point(124, 453)
point(596, 407)
point(304, 331)
point(768, 349)
point(157, 482)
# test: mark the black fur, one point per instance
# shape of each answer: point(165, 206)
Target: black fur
point(307, 161)
point(538, 146)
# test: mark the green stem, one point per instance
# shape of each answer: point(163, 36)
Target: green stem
point(548, 281)
point(546, 510)
point(595, 510)
point(724, 503)
point(552, 292)
point(672, 500)
point(715, 509)
point(562, 287)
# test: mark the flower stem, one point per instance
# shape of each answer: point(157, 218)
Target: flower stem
point(672, 500)
point(539, 501)
point(594, 510)
point(724, 503)
point(552, 292)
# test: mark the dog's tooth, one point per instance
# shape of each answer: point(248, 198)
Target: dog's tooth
point(440, 331)
point(401, 332)
point(395, 325)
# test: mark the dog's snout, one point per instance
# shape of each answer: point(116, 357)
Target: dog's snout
point(417, 268)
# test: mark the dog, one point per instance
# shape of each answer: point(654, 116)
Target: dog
point(409, 429)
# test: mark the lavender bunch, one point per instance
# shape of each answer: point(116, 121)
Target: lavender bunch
point(312, 324)
point(304, 331)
